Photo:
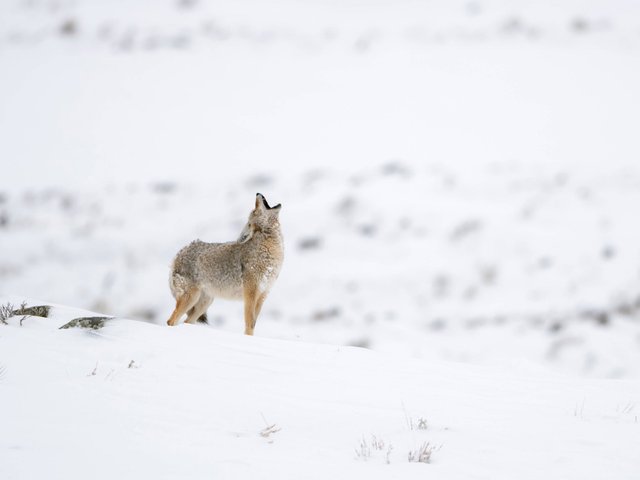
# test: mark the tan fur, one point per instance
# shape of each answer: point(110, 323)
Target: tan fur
point(242, 270)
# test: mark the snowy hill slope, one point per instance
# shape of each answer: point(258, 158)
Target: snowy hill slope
point(137, 400)
point(486, 265)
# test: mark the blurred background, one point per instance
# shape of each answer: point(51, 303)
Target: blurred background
point(460, 180)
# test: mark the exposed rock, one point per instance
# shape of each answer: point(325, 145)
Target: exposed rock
point(93, 323)
point(35, 311)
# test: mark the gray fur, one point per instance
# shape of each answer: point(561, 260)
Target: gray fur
point(217, 267)
point(229, 270)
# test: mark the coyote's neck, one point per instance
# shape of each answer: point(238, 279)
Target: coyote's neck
point(269, 232)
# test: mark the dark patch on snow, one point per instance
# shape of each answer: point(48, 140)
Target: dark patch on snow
point(309, 243)
point(326, 314)
point(465, 229)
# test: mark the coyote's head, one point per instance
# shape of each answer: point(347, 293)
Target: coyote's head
point(262, 218)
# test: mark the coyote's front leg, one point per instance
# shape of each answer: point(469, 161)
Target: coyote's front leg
point(250, 301)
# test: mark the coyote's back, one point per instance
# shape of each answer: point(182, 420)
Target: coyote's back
point(214, 266)
point(244, 269)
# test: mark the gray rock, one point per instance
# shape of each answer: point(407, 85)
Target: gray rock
point(93, 323)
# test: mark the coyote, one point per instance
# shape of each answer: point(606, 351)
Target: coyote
point(244, 269)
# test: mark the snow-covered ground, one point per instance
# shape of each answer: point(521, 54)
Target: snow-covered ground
point(136, 400)
point(460, 184)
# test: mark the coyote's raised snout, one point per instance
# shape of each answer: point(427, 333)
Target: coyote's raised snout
point(245, 269)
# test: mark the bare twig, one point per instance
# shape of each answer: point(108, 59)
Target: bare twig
point(23, 307)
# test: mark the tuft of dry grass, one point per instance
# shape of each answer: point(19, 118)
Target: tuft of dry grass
point(269, 430)
point(422, 454)
point(363, 451)
point(6, 312)
point(365, 448)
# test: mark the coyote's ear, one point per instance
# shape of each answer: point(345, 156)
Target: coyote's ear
point(276, 209)
point(246, 234)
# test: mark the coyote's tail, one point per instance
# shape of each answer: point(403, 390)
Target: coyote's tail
point(178, 285)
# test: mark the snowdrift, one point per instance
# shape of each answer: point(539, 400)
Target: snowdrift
point(139, 400)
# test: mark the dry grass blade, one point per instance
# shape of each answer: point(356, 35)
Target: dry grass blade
point(269, 430)
point(364, 450)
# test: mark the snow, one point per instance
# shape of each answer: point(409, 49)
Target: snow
point(141, 400)
point(459, 182)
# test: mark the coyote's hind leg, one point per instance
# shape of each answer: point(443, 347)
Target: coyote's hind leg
point(200, 308)
point(183, 303)
point(202, 318)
